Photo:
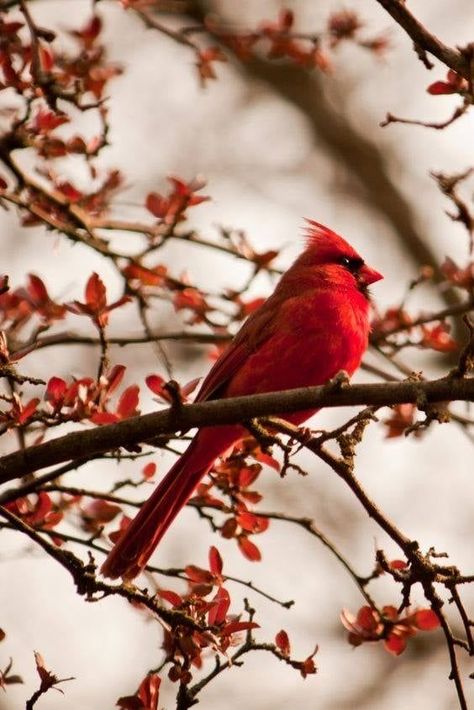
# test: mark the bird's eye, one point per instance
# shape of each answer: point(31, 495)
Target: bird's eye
point(352, 264)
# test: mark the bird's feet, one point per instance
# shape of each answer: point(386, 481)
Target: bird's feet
point(340, 380)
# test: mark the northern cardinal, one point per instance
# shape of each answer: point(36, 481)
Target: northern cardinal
point(314, 325)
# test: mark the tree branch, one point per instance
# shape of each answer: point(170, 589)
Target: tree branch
point(236, 410)
point(424, 40)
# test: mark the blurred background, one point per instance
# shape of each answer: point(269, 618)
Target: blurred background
point(275, 145)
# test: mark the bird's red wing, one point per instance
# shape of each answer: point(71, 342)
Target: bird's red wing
point(257, 328)
point(222, 371)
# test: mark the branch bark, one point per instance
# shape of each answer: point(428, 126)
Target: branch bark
point(140, 429)
point(425, 40)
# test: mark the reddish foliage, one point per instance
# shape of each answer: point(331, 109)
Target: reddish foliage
point(392, 319)
point(48, 679)
point(283, 642)
point(55, 85)
point(193, 300)
point(19, 413)
point(398, 565)
point(389, 626)
point(454, 84)
point(127, 407)
point(220, 606)
point(98, 513)
point(251, 522)
point(149, 471)
point(155, 276)
point(95, 305)
point(401, 418)
point(185, 646)
point(89, 33)
point(171, 208)
point(146, 697)
point(19, 306)
point(249, 549)
point(343, 25)
point(42, 304)
point(124, 523)
point(170, 391)
point(45, 120)
point(308, 666)
point(205, 62)
point(463, 277)
point(36, 510)
point(215, 561)
point(437, 338)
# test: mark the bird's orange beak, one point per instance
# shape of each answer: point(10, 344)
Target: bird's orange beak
point(369, 276)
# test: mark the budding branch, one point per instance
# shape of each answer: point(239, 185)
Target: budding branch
point(236, 410)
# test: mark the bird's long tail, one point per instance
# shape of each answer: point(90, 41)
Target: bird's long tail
point(140, 539)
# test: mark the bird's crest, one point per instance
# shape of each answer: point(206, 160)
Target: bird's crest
point(326, 242)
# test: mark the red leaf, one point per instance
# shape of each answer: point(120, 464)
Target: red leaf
point(37, 289)
point(268, 460)
point(148, 692)
point(228, 528)
point(395, 644)
point(441, 87)
point(438, 338)
point(101, 511)
point(95, 293)
point(199, 575)
point(156, 204)
point(55, 391)
point(454, 84)
point(28, 410)
point(218, 613)
point(215, 561)
point(403, 416)
point(171, 597)
point(148, 277)
point(234, 627)
point(248, 475)
point(308, 667)
point(42, 509)
point(462, 277)
point(92, 29)
point(115, 377)
point(46, 57)
point(45, 120)
point(190, 298)
point(149, 471)
point(117, 534)
point(252, 523)
point(101, 418)
point(128, 402)
point(367, 619)
point(286, 20)
point(398, 564)
point(155, 384)
point(146, 697)
point(388, 611)
point(69, 191)
point(249, 549)
point(426, 620)
point(251, 496)
point(47, 678)
point(283, 642)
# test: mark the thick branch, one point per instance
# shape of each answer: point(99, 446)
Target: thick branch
point(423, 39)
point(228, 411)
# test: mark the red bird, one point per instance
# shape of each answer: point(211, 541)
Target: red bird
point(314, 325)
